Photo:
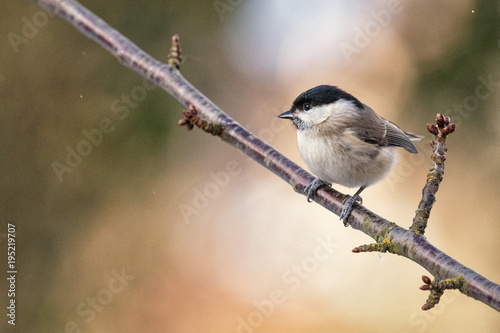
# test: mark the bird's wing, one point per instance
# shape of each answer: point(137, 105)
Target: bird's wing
point(369, 127)
point(381, 132)
point(396, 137)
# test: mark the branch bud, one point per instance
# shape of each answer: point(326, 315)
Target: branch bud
point(432, 129)
point(426, 279)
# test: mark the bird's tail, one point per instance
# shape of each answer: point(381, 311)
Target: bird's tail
point(414, 137)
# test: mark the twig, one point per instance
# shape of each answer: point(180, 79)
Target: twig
point(437, 288)
point(191, 119)
point(441, 130)
point(175, 54)
point(401, 241)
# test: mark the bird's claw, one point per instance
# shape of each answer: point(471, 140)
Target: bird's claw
point(313, 187)
point(347, 208)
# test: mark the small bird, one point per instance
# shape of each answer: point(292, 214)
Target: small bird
point(344, 141)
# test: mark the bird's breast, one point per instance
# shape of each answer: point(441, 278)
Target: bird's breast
point(344, 159)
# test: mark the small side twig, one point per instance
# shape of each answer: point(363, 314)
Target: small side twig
point(192, 119)
point(175, 54)
point(441, 130)
point(437, 288)
point(383, 246)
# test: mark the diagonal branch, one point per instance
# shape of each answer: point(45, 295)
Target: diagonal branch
point(400, 241)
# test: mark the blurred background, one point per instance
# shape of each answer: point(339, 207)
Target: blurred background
point(126, 222)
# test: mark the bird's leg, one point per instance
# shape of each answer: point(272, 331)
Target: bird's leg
point(311, 188)
point(346, 210)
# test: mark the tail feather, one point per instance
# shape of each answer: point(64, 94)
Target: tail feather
point(413, 136)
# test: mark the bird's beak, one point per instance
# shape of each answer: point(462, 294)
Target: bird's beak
point(286, 115)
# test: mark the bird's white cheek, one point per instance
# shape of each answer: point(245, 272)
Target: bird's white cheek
point(315, 116)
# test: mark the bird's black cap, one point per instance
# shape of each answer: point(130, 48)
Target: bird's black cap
point(322, 95)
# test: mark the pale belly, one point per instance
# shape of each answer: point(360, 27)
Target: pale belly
point(351, 163)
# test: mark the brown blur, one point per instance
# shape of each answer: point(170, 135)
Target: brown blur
point(151, 228)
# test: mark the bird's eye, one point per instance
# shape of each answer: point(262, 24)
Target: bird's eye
point(307, 107)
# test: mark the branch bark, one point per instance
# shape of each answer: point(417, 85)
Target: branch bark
point(399, 240)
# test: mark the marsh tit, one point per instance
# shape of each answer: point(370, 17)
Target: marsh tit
point(344, 141)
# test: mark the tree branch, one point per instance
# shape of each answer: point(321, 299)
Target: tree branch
point(396, 239)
